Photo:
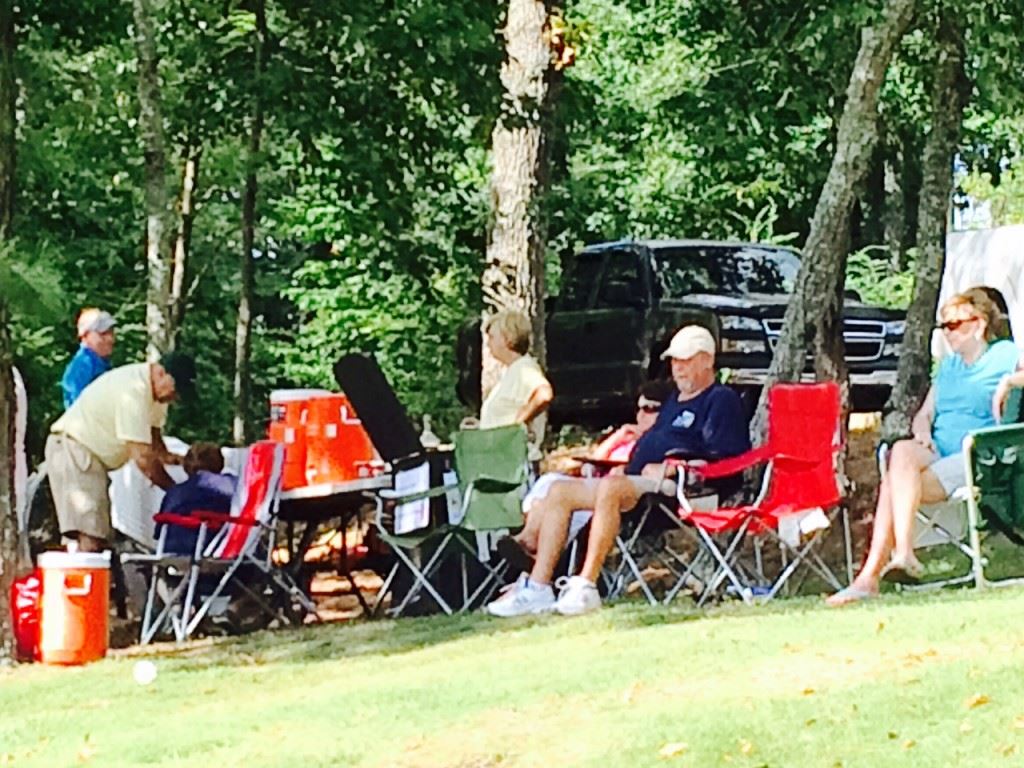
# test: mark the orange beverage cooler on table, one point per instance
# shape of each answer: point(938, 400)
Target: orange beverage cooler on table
point(74, 613)
point(288, 426)
point(337, 446)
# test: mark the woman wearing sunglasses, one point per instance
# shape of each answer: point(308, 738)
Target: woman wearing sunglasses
point(928, 467)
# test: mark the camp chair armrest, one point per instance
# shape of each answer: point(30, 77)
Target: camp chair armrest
point(795, 462)
point(215, 519)
point(727, 467)
point(496, 484)
point(389, 494)
point(1002, 430)
point(184, 521)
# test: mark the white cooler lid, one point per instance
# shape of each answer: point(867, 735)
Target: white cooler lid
point(57, 561)
point(291, 395)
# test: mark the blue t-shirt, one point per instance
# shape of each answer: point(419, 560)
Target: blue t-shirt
point(712, 425)
point(207, 491)
point(84, 368)
point(963, 394)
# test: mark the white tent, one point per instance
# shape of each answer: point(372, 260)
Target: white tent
point(993, 257)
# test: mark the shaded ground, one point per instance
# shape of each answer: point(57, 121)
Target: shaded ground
point(336, 602)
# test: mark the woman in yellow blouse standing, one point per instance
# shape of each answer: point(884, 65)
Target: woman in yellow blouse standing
point(523, 393)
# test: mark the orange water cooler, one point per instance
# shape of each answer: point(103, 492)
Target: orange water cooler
point(74, 612)
point(337, 446)
point(288, 425)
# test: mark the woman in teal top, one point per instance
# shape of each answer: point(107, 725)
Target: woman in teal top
point(928, 467)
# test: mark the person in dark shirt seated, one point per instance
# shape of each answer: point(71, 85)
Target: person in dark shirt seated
point(705, 421)
point(206, 489)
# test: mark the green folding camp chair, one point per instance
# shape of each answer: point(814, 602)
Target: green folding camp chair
point(484, 497)
point(984, 514)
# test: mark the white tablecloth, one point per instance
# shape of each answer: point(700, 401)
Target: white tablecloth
point(134, 499)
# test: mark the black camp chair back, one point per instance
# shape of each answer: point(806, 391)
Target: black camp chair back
point(383, 417)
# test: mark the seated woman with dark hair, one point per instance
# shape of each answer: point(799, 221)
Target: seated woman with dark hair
point(206, 489)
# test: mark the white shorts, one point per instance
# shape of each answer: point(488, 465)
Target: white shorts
point(950, 472)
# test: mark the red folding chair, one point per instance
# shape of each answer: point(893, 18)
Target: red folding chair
point(235, 549)
point(798, 500)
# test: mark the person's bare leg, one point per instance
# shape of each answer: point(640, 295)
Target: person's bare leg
point(565, 497)
point(87, 543)
point(881, 541)
point(865, 583)
point(889, 525)
point(615, 494)
point(528, 537)
point(911, 484)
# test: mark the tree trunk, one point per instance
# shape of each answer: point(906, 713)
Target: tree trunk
point(8, 521)
point(894, 212)
point(8, 96)
point(513, 277)
point(243, 329)
point(950, 94)
point(813, 321)
point(186, 211)
point(158, 293)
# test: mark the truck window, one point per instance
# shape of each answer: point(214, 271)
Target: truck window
point(579, 281)
point(621, 282)
point(717, 269)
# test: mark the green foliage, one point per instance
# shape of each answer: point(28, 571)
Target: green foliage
point(678, 119)
point(869, 273)
point(686, 119)
point(1005, 200)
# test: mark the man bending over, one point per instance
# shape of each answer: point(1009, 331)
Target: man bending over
point(117, 419)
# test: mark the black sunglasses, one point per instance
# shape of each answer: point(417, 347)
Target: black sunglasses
point(649, 408)
point(952, 325)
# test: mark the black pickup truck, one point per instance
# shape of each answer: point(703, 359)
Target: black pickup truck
point(621, 302)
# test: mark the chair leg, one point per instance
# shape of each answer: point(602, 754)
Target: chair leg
point(422, 578)
point(725, 568)
point(119, 586)
point(977, 559)
point(847, 544)
point(166, 615)
point(382, 593)
point(631, 563)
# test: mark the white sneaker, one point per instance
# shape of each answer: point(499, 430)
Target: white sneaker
point(522, 599)
point(577, 596)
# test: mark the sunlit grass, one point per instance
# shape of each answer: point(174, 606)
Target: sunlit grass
point(923, 680)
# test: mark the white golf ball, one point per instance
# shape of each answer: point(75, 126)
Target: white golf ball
point(144, 672)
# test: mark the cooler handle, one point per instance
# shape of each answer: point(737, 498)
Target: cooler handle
point(81, 591)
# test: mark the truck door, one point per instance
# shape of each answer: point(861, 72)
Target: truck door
point(596, 345)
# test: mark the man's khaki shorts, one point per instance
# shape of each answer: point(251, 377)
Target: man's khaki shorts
point(79, 483)
point(650, 485)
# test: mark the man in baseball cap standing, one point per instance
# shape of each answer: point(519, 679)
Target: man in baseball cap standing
point(117, 419)
point(92, 360)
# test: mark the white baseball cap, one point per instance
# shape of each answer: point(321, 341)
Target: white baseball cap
point(93, 319)
point(688, 341)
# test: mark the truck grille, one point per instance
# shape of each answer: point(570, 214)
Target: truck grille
point(864, 339)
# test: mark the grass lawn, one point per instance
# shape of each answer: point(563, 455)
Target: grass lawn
point(922, 680)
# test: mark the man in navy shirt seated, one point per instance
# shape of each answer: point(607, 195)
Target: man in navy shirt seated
point(206, 490)
point(705, 421)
